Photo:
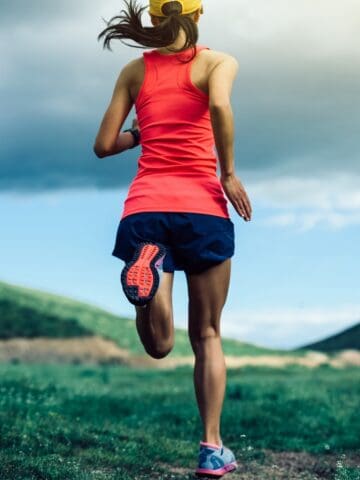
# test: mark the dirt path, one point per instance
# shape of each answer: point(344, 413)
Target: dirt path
point(92, 349)
point(96, 349)
point(311, 359)
point(282, 466)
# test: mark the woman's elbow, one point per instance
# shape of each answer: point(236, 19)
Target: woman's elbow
point(219, 106)
point(100, 151)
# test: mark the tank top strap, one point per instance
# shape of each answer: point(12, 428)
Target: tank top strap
point(151, 73)
point(184, 74)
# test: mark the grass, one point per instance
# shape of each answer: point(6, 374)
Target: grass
point(83, 422)
point(23, 321)
point(112, 422)
point(345, 473)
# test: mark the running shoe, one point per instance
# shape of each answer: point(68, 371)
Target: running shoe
point(140, 277)
point(215, 461)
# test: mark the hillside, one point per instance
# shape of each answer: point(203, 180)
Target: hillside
point(17, 320)
point(32, 313)
point(346, 339)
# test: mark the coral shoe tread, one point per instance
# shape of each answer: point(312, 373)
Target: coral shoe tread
point(140, 278)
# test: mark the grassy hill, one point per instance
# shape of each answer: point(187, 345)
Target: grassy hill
point(26, 312)
point(23, 321)
point(346, 339)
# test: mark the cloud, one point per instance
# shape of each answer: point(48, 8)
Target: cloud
point(293, 100)
point(332, 200)
point(288, 327)
point(306, 221)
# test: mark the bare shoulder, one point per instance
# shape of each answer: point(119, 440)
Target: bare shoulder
point(215, 57)
point(132, 68)
point(132, 75)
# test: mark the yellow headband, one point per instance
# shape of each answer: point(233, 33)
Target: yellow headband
point(188, 6)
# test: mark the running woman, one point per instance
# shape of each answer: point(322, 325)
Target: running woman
point(175, 216)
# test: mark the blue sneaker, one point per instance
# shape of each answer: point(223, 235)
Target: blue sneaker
point(215, 460)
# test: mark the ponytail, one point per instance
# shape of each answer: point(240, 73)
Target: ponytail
point(128, 25)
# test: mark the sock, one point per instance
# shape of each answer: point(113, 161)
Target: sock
point(211, 445)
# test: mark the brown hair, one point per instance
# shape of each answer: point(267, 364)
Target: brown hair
point(128, 25)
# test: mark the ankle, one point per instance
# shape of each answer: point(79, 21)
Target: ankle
point(211, 441)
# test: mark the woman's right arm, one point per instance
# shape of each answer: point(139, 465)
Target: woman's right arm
point(221, 80)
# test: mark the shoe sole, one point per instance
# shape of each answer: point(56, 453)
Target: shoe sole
point(139, 277)
point(205, 472)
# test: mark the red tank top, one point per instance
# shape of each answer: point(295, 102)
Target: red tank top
point(177, 168)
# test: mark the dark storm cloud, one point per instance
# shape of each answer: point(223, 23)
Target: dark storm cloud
point(35, 11)
point(295, 100)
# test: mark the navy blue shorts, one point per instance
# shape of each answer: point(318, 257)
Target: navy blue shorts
point(194, 241)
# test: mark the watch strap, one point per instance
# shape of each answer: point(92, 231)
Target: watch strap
point(136, 135)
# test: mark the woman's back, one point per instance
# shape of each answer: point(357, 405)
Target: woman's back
point(173, 116)
point(177, 166)
point(184, 114)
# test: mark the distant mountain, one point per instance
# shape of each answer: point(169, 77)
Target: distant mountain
point(31, 313)
point(346, 339)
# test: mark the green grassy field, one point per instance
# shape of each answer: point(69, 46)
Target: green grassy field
point(112, 422)
point(96, 422)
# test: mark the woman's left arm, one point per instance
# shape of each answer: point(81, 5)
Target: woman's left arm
point(109, 140)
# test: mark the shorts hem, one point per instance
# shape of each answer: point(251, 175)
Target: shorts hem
point(117, 255)
point(202, 269)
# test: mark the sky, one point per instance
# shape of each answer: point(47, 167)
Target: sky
point(296, 104)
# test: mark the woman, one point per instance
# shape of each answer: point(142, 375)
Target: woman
point(175, 215)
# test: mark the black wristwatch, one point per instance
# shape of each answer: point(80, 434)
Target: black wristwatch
point(136, 134)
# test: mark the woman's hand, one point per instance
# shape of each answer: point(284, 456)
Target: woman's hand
point(235, 192)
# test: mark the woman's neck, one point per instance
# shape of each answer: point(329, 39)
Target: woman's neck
point(179, 43)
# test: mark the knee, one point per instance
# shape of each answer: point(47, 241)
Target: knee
point(205, 334)
point(203, 342)
point(160, 349)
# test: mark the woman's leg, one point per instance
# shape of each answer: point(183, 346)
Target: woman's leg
point(155, 323)
point(207, 296)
